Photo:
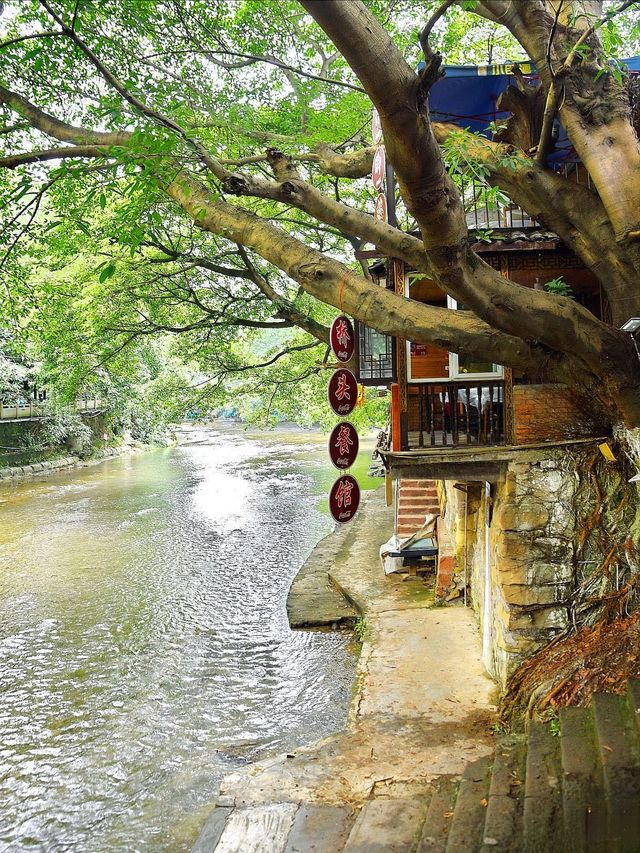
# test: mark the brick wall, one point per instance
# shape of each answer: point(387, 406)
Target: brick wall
point(413, 406)
point(553, 413)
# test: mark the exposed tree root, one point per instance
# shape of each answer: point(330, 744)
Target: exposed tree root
point(567, 671)
point(601, 648)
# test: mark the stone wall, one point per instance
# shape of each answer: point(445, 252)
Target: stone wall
point(525, 551)
point(554, 545)
point(20, 472)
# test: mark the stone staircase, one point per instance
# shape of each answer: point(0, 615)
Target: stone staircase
point(416, 498)
point(576, 791)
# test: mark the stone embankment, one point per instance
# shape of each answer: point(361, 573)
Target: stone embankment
point(422, 707)
point(19, 472)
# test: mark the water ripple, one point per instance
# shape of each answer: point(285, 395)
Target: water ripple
point(144, 647)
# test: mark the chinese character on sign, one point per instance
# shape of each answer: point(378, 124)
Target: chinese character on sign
point(342, 391)
point(342, 338)
point(343, 493)
point(342, 333)
point(343, 445)
point(343, 441)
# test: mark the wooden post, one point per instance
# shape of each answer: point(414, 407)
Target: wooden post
point(396, 439)
point(401, 359)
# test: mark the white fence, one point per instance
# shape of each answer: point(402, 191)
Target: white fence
point(33, 409)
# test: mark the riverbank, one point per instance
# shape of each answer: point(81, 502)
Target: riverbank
point(423, 707)
point(21, 472)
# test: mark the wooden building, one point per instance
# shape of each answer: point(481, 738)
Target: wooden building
point(446, 399)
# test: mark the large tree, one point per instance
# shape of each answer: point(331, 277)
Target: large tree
point(228, 142)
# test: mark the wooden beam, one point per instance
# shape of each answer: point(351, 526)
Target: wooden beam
point(421, 468)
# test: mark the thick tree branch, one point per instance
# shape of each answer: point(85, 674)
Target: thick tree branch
point(593, 105)
point(333, 283)
point(573, 211)
point(61, 153)
point(59, 129)
point(432, 198)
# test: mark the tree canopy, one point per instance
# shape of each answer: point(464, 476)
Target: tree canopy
point(197, 169)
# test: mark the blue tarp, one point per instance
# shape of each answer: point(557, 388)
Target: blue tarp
point(467, 95)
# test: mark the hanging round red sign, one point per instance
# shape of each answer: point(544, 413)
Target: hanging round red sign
point(378, 168)
point(343, 445)
point(380, 210)
point(344, 498)
point(343, 339)
point(376, 126)
point(343, 391)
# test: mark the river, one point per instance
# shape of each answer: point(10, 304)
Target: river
point(144, 645)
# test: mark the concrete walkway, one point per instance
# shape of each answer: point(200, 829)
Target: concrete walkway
point(422, 707)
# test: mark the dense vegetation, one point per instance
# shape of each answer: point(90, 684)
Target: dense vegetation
point(183, 185)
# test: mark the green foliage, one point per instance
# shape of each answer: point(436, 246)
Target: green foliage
point(360, 629)
point(471, 175)
point(554, 722)
point(559, 286)
point(62, 428)
point(99, 292)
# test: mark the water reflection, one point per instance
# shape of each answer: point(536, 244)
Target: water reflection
point(144, 647)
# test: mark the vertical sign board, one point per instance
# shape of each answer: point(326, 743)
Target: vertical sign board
point(343, 445)
point(343, 339)
point(376, 127)
point(343, 391)
point(378, 169)
point(380, 210)
point(344, 497)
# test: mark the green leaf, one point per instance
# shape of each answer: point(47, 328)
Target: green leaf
point(107, 272)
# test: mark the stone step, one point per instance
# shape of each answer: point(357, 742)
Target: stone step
point(387, 826)
point(259, 829)
point(320, 829)
point(411, 518)
point(411, 483)
point(619, 743)
point(503, 820)
point(419, 504)
point(212, 830)
point(633, 692)
point(542, 817)
point(417, 493)
point(418, 501)
point(435, 830)
point(408, 530)
point(584, 809)
point(467, 823)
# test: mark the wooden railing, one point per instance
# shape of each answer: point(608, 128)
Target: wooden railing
point(456, 413)
point(33, 409)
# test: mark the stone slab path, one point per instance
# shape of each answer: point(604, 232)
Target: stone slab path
point(423, 707)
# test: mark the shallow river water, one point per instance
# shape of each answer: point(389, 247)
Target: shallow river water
point(144, 645)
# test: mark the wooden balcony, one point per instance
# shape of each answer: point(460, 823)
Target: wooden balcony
point(454, 414)
point(483, 216)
